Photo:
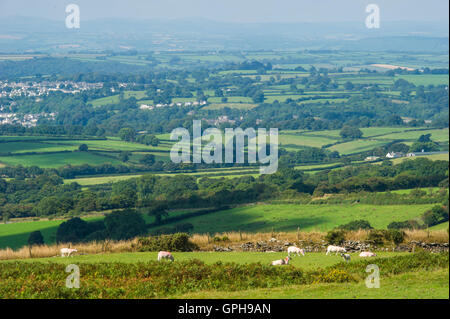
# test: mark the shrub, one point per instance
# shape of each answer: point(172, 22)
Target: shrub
point(218, 239)
point(334, 275)
point(356, 225)
point(395, 236)
point(375, 237)
point(175, 242)
point(179, 228)
point(335, 237)
point(35, 238)
point(408, 224)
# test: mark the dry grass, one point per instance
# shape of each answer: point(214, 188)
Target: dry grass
point(206, 242)
point(82, 248)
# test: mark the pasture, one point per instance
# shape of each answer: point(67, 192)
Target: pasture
point(287, 217)
point(249, 218)
point(308, 262)
point(314, 276)
point(54, 160)
point(405, 286)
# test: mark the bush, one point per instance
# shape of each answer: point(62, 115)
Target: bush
point(395, 236)
point(376, 237)
point(175, 242)
point(219, 239)
point(356, 225)
point(178, 228)
point(335, 237)
point(35, 238)
point(408, 224)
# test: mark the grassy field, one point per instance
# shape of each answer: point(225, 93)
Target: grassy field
point(308, 262)
point(251, 218)
point(405, 286)
point(54, 160)
point(289, 140)
point(227, 275)
point(15, 235)
point(356, 146)
point(287, 217)
point(440, 226)
point(433, 157)
point(24, 147)
point(439, 135)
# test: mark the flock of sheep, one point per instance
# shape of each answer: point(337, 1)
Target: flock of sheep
point(330, 249)
point(66, 252)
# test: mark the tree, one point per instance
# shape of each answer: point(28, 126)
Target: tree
point(351, 132)
point(148, 159)
point(127, 134)
point(356, 225)
point(158, 211)
point(35, 238)
point(126, 224)
point(124, 156)
point(258, 97)
point(349, 86)
point(424, 138)
point(74, 230)
point(83, 148)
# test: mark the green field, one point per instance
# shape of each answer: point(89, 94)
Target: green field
point(433, 157)
point(289, 140)
point(54, 160)
point(251, 218)
point(405, 286)
point(15, 235)
point(24, 147)
point(307, 262)
point(438, 135)
point(227, 275)
point(427, 79)
point(356, 146)
point(287, 217)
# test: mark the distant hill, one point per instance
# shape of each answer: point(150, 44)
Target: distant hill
point(22, 34)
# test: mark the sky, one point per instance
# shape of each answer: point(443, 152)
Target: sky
point(241, 11)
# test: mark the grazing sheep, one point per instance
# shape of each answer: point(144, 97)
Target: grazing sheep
point(335, 249)
point(367, 254)
point(346, 257)
point(295, 250)
point(66, 252)
point(278, 262)
point(165, 255)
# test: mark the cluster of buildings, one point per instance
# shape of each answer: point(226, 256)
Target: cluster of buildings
point(33, 88)
point(391, 155)
point(27, 120)
point(151, 107)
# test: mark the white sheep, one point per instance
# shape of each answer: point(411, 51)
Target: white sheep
point(165, 255)
point(278, 262)
point(295, 250)
point(66, 252)
point(335, 249)
point(367, 254)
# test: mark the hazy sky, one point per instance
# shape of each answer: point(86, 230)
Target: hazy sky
point(233, 10)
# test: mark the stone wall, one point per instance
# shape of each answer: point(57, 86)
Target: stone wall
point(275, 245)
